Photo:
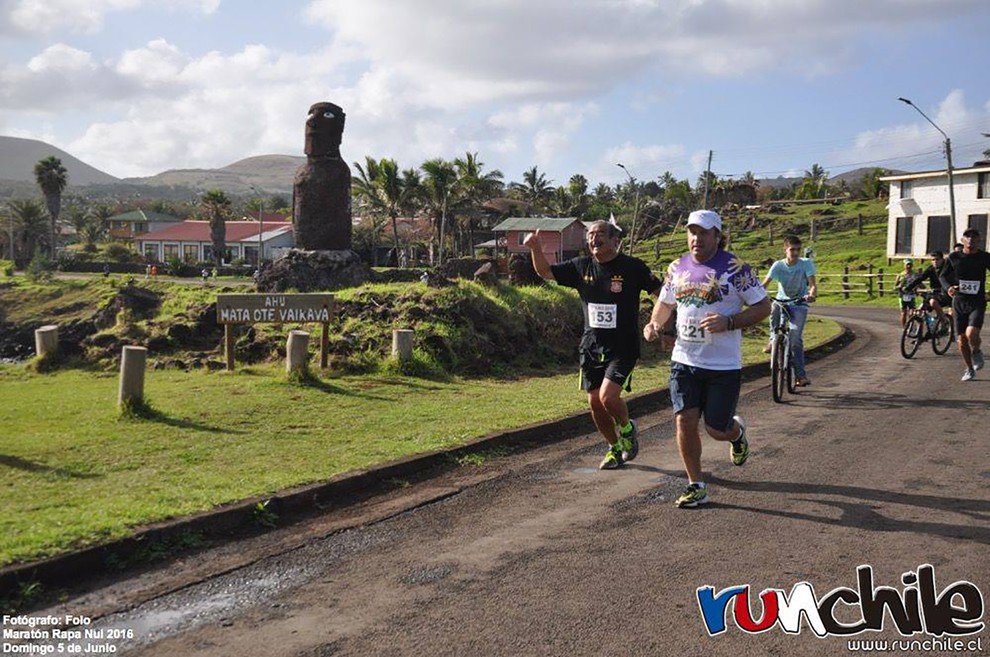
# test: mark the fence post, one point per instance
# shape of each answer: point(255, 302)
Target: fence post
point(770, 232)
point(402, 344)
point(869, 280)
point(845, 281)
point(859, 222)
point(814, 230)
point(132, 365)
point(297, 352)
point(46, 341)
point(880, 280)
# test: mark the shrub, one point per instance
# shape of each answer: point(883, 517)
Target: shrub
point(116, 252)
point(40, 268)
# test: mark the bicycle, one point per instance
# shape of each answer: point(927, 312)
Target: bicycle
point(923, 325)
point(781, 364)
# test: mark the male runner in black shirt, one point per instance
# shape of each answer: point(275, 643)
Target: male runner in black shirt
point(609, 284)
point(964, 278)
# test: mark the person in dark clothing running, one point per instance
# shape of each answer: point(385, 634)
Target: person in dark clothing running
point(610, 284)
point(964, 279)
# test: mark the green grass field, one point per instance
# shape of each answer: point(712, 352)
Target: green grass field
point(74, 473)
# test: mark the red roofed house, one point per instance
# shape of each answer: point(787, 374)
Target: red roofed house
point(190, 241)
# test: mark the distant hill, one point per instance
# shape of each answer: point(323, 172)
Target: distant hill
point(268, 173)
point(18, 157)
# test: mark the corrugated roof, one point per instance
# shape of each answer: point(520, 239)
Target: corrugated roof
point(556, 224)
point(199, 231)
point(144, 216)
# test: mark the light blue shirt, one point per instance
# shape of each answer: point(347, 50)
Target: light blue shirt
point(792, 281)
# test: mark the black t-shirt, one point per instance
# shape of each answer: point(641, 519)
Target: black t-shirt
point(968, 271)
point(932, 276)
point(610, 294)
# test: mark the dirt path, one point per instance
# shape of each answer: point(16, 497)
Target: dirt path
point(542, 554)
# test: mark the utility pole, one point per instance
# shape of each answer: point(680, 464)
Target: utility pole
point(632, 181)
point(948, 161)
point(708, 175)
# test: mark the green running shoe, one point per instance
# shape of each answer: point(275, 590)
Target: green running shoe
point(741, 453)
point(630, 443)
point(613, 458)
point(694, 495)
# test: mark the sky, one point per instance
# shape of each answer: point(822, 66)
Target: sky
point(137, 87)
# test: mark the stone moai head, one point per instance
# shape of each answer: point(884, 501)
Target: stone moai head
point(324, 130)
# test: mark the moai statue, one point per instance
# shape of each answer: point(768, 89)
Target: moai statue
point(321, 192)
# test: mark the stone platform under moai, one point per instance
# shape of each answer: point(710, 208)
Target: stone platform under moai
point(314, 271)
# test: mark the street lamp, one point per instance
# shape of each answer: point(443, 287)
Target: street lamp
point(948, 161)
point(632, 181)
point(261, 224)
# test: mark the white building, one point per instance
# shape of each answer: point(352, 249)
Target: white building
point(918, 214)
point(190, 241)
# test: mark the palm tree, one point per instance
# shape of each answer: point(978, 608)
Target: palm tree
point(365, 188)
point(27, 226)
point(382, 187)
point(52, 177)
point(438, 183)
point(216, 206)
point(474, 186)
point(818, 177)
point(535, 188)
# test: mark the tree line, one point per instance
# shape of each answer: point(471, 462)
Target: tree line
point(437, 209)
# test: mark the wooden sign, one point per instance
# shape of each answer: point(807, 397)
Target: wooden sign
point(274, 309)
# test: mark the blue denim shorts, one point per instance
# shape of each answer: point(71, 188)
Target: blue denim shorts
point(714, 392)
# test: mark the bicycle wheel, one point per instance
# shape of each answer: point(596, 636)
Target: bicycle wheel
point(777, 369)
point(912, 337)
point(943, 335)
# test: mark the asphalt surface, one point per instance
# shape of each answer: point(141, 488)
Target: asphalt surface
point(881, 462)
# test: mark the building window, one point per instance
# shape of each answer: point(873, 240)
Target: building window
point(903, 235)
point(939, 234)
point(905, 189)
point(140, 227)
point(979, 222)
point(983, 186)
point(151, 251)
point(171, 251)
point(521, 237)
point(190, 253)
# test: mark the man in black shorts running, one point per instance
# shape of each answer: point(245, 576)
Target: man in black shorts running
point(609, 284)
point(964, 279)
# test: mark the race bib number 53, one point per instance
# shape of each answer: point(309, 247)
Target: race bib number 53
point(601, 315)
point(689, 331)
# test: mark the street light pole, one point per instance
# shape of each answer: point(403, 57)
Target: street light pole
point(948, 161)
point(632, 181)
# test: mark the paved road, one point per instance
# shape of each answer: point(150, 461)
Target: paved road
point(881, 462)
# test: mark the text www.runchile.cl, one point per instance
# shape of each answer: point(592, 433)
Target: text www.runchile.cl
point(911, 645)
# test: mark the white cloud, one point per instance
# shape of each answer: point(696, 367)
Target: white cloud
point(62, 58)
point(87, 16)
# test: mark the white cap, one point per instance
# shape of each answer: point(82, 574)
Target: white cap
point(707, 219)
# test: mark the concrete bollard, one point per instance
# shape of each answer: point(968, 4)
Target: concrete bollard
point(402, 344)
point(297, 351)
point(46, 341)
point(132, 365)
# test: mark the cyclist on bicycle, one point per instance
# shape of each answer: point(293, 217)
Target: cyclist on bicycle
point(931, 275)
point(796, 283)
point(904, 284)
